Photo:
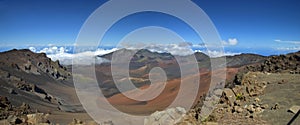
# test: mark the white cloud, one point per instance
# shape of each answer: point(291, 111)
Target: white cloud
point(289, 48)
point(277, 40)
point(292, 45)
point(230, 42)
point(287, 41)
point(180, 49)
point(33, 49)
point(214, 53)
point(201, 45)
point(83, 58)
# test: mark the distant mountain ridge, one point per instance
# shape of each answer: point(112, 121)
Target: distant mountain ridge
point(147, 56)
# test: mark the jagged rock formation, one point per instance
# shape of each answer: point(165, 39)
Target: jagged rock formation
point(7, 109)
point(289, 63)
point(279, 64)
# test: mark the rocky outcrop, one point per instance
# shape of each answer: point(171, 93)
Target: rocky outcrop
point(279, 64)
point(170, 116)
point(237, 105)
point(256, 99)
point(30, 119)
point(289, 63)
point(21, 114)
point(7, 110)
point(37, 118)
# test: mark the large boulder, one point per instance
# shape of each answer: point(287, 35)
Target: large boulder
point(168, 117)
point(294, 109)
point(229, 96)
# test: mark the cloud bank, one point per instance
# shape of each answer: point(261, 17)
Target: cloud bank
point(65, 56)
point(287, 41)
point(181, 49)
point(86, 57)
point(293, 45)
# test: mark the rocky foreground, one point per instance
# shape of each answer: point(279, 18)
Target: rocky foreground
point(267, 93)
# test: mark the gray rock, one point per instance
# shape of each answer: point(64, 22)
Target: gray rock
point(258, 109)
point(251, 108)
point(238, 109)
point(14, 119)
point(218, 92)
point(257, 100)
point(264, 106)
point(294, 109)
point(168, 117)
point(230, 96)
point(37, 118)
point(76, 122)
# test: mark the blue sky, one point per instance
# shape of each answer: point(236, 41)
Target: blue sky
point(258, 24)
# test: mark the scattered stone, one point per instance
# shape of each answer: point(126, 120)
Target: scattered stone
point(251, 109)
point(24, 107)
point(257, 100)
point(264, 106)
point(76, 122)
point(258, 110)
point(275, 107)
point(238, 109)
point(294, 109)
point(256, 105)
point(238, 102)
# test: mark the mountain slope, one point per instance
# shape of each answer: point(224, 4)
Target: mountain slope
point(33, 78)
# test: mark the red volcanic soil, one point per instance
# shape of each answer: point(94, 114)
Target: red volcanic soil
point(167, 96)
